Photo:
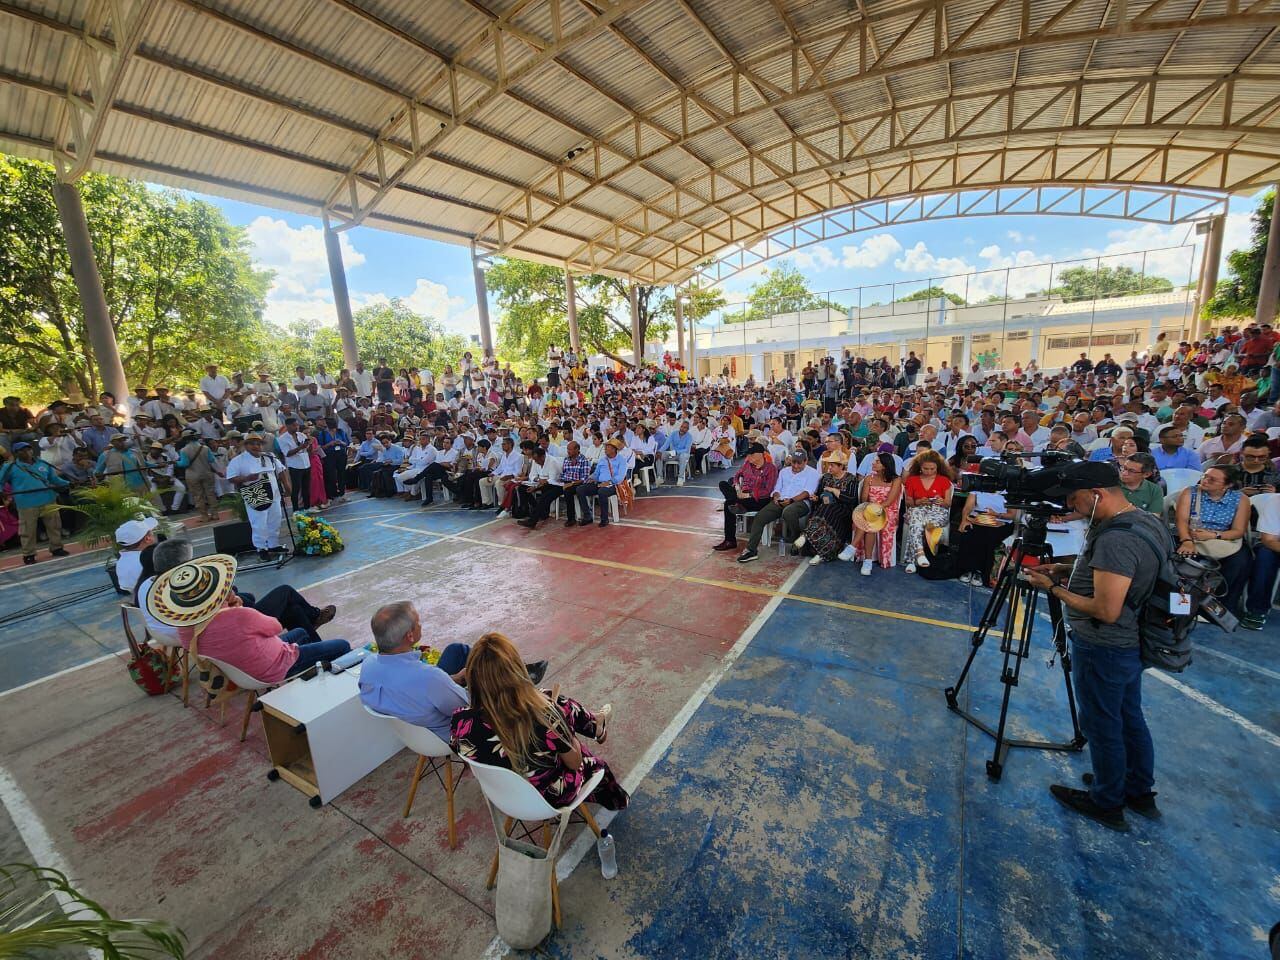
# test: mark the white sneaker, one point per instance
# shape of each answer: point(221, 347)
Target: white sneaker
point(866, 568)
point(814, 561)
point(910, 568)
point(799, 542)
point(680, 482)
point(504, 514)
point(922, 561)
point(848, 553)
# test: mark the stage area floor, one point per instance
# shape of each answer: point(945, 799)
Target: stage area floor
point(799, 788)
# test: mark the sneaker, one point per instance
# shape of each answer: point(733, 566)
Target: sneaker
point(922, 561)
point(1251, 621)
point(1143, 806)
point(814, 561)
point(746, 556)
point(27, 561)
point(264, 555)
point(910, 568)
point(502, 515)
point(59, 553)
point(866, 568)
point(608, 853)
point(847, 554)
point(800, 541)
point(584, 522)
point(680, 482)
point(1081, 802)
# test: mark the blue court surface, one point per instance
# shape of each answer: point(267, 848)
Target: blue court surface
point(800, 788)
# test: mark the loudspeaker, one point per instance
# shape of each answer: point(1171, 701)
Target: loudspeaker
point(233, 538)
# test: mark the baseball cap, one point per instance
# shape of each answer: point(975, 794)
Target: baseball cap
point(131, 531)
point(756, 448)
point(1084, 476)
point(21, 445)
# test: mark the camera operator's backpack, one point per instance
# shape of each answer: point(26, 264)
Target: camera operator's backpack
point(1164, 637)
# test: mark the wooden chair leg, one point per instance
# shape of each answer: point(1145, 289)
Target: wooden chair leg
point(555, 884)
point(493, 870)
point(448, 802)
point(591, 821)
point(186, 677)
point(249, 701)
point(413, 784)
point(170, 657)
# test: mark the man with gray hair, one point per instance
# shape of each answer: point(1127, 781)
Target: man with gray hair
point(399, 683)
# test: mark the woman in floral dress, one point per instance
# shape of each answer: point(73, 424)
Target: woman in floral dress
point(928, 495)
point(882, 486)
point(513, 724)
point(831, 522)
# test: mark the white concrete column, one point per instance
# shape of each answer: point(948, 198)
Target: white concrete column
point(1269, 291)
point(1035, 344)
point(966, 355)
point(679, 324)
point(757, 368)
point(84, 270)
point(482, 305)
point(341, 297)
point(571, 310)
point(1209, 261)
point(637, 345)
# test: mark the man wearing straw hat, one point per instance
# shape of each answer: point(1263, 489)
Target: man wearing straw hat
point(212, 621)
point(262, 482)
point(35, 485)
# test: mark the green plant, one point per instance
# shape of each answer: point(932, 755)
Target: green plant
point(40, 910)
point(233, 501)
point(108, 505)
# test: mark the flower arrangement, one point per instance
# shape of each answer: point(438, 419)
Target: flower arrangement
point(316, 537)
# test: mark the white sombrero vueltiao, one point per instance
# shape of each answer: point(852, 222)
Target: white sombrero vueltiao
point(193, 592)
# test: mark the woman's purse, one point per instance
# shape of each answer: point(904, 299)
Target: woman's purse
point(1214, 549)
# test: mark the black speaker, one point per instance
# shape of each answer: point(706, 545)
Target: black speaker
point(233, 538)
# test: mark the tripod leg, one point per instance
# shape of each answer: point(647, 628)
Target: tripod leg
point(1078, 739)
point(988, 619)
point(1023, 598)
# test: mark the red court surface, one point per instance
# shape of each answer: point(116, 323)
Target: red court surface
point(159, 811)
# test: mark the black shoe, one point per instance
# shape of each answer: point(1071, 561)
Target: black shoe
point(584, 522)
point(1143, 806)
point(571, 522)
point(746, 556)
point(27, 561)
point(724, 545)
point(264, 555)
point(59, 553)
point(604, 523)
point(1081, 802)
point(537, 670)
point(529, 522)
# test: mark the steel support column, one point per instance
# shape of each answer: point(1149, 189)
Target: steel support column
point(482, 305)
point(637, 344)
point(1208, 272)
point(84, 269)
point(571, 309)
point(1269, 291)
point(341, 297)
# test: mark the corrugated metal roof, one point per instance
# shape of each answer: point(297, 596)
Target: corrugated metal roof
point(619, 135)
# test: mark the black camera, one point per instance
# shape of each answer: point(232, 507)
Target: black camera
point(1020, 484)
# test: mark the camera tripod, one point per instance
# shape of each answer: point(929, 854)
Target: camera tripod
point(1018, 597)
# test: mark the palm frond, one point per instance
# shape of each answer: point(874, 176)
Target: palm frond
point(40, 910)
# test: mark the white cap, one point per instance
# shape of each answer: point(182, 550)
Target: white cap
point(132, 531)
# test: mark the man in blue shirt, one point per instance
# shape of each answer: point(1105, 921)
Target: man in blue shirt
point(609, 472)
point(35, 485)
point(398, 683)
point(1171, 454)
point(677, 447)
point(97, 436)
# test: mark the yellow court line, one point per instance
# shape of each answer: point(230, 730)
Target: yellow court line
point(704, 581)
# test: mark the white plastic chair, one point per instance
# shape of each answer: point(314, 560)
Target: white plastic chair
point(521, 803)
point(434, 755)
point(1178, 479)
point(647, 477)
point(175, 654)
point(244, 684)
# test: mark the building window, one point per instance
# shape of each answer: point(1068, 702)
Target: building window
point(1018, 335)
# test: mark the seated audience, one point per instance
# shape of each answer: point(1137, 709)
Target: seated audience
point(883, 486)
point(830, 525)
point(790, 502)
point(928, 492)
point(749, 490)
point(1212, 518)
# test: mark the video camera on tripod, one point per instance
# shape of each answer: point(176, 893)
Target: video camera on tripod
point(1023, 487)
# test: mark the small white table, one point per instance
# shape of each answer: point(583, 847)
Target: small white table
point(319, 736)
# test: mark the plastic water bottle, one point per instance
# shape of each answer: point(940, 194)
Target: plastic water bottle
point(608, 852)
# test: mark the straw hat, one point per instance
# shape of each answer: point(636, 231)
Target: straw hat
point(192, 593)
point(869, 517)
point(933, 536)
point(837, 456)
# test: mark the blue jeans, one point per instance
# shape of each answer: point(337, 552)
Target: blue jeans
point(1108, 683)
point(311, 652)
point(1262, 581)
point(454, 657)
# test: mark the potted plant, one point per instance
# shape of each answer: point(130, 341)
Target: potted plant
point(104, 508)
point(41, 911)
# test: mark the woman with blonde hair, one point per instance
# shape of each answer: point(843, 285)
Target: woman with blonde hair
point(513, 724)
point(927, 490)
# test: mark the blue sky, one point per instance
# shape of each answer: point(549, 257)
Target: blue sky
point(435, 278)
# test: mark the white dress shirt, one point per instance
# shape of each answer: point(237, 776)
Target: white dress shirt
point(548, 470)
point(791, 484)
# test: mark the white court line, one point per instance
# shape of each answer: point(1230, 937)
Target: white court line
point(1238, 662)
point(585, 840)
point(1260, 732)
point(62, 673)
point(39, 844)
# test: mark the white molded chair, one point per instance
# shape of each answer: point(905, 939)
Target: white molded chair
point(244, 684)
point(521, 803)
point(1178, 479)
point(743, 522)
point(434, 755)
point(647, 477)
point(175, 654)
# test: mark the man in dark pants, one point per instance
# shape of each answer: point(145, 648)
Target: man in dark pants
point(602, 485)
point(542, 488)
point(750, 489)
point(293, 447)
point(1104, 594)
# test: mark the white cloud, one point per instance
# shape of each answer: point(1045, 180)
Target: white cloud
point(872, 252)
point(1017, 236)
point(432, 299)
point(815, 258)
point(301, 287)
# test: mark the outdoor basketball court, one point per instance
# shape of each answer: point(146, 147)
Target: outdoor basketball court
point(799, 787)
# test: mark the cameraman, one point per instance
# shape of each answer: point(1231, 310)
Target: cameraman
point(1105, 589)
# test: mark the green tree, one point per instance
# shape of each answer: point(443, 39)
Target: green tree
point(534, 313)
point(783, 289)
point(1100, 282)
point(1237, 294)
point(389, 329)
point(180, 286)
point(932, 293)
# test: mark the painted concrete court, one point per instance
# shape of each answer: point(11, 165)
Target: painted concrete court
point(800, 789)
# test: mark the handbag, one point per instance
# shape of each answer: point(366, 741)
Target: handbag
point(1214, 549)
point(148, 668)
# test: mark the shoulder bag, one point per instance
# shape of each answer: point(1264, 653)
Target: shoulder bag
point(1216, 549)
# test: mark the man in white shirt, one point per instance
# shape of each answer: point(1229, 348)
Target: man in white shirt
point(945, 373)
point(363, 380)
point(264, 476)
point(1224, 448)
point(293, 447)
point(493, 488)
point(791, 501)
point(1038, 435)
point(542, 487)
point(214, 386)
point(161, 406)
